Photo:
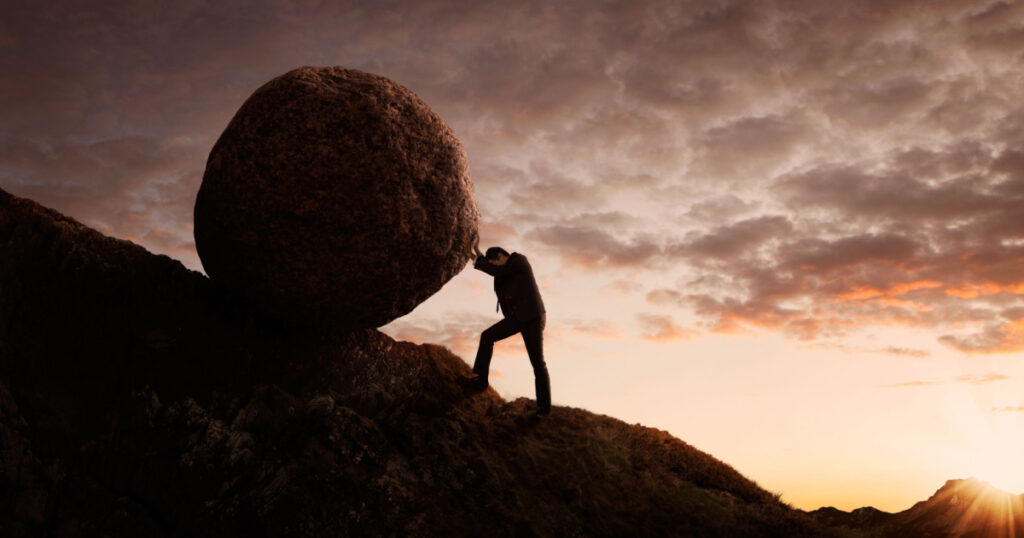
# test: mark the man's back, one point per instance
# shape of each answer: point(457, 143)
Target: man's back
point(515, 286)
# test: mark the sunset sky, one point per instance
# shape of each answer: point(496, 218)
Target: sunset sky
point(789, 233)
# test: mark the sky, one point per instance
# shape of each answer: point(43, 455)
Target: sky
point(789, 233)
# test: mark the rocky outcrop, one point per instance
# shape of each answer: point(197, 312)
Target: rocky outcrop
point(135, 401)
point(335, 197)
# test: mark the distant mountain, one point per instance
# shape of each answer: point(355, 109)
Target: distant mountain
point(966, 508)
point(863, 520)
point(138, 399)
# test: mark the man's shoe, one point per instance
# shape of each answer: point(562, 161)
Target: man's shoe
point(473, 383)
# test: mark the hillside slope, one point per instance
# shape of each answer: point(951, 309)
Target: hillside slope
point(137, 399)
point(967, 508)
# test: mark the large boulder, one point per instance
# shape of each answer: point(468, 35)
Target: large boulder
point(336, 197)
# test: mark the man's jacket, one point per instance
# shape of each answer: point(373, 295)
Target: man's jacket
point(515, 287)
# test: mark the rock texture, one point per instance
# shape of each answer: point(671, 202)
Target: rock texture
point(335, 197)
point(133, 402)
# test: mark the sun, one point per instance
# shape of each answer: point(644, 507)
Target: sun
point(1008, 481)
point(1000, 465)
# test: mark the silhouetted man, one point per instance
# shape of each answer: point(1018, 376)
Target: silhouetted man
point(523, 310)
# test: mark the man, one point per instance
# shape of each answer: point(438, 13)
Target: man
point(523, 311)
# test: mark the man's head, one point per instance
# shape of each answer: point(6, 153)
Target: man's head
point(497, 255)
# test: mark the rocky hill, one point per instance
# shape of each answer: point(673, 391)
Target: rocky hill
point(866, 521)
point(138, 399)
point(966, 508)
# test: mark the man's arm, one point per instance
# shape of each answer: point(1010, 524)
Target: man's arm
point(515, 263)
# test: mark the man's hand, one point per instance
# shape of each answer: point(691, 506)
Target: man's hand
point(476, 248)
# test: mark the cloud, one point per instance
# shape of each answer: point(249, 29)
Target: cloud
point(990, 377)
point(1009, 409)
point(809, 168)
point(664, 297)
point(909, 384)
point(818, 256)
point(459, 332)
point(930, 241)
point(661, 328)
point(496, 232)
point(731, 242)
point(592, 248)
point(749, 145)
point(979, 380)
point(1006, 336)
point(858, 350)
point(719, 208)
point(137, 188)
point(550, 191)
point(908, 191)
point(624, 285)
point(604, 329)
point(905, 352)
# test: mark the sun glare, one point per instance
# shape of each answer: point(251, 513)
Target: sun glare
point(999, 464)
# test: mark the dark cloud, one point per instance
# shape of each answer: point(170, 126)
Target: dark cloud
point(733, 241)
point(548, 191)
point(136, 188)
point(886, 103)
point(749, 144)
point(591, 247)
point(935, 242)
point(907, 192)
point(807, 167)
point(811, 287)
point(719, 208)
point(828, 256)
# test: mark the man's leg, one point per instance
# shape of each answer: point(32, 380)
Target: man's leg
point(499, 331)
point(533, 337)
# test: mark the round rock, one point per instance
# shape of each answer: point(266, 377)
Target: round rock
point(336, 197)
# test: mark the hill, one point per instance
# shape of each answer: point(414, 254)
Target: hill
point(137, 398)
point(966, 508)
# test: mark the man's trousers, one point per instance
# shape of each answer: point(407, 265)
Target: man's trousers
point(533, 337)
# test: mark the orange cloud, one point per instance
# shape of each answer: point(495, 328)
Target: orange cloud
point(1007, 337)
point(971, 291)
point(869, 292)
